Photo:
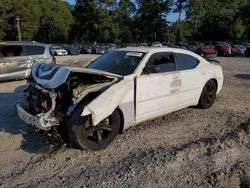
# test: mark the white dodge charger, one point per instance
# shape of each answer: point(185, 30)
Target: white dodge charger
point(90, 106)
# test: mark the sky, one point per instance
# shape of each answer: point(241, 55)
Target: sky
point(171, 17)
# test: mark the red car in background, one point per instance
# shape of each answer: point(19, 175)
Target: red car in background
point(206, 51)
point(225, 50)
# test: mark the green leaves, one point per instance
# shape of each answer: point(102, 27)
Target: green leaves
point(42, 20)
point(217, 20)
point(124, 21)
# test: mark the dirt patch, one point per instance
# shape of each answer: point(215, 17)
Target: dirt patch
point(192, 147)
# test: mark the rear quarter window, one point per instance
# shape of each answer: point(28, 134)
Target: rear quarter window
point(33, 50)
point(185, 62)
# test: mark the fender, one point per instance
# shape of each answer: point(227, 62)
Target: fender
point(107, 102)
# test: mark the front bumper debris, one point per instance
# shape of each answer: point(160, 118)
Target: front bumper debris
point(43, 121)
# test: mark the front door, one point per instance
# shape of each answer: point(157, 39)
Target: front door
point(157, 88)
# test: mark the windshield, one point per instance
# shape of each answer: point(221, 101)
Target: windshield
point(118, 62)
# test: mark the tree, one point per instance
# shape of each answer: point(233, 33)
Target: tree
point(3, 20)
point(29, 19)
point(124, 19)
point(245, 18)
point(41, 20)
point(55, 21)
point(94, 22)
point(180, 6)
point(213, 19)
point(151, 19)
point(238, 31)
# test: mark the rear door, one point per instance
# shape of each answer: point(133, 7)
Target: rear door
point(13, 59)
point(191, 79)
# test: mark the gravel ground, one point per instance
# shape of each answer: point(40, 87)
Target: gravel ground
point(189, 148)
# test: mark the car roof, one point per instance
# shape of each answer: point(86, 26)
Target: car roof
point(159, 49)
point(23, 43)
point(152, 49)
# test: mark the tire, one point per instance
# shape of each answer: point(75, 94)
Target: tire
point(208, 95)
point(91, 137)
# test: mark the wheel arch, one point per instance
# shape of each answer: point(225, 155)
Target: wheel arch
point(215, 81)
point(91, 96)
point(121, 118)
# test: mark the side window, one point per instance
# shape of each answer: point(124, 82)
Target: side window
point(33, 50)
point(185, 62)
point(11, 51)
point(164, 60)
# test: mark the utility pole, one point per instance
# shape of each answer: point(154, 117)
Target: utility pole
point(18, 28)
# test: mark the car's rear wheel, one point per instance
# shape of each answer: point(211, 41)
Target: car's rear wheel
point(91, 137)
point(208, 95)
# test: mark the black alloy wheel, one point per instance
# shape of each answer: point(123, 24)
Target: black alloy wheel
point(93, 137)
point(208, 95)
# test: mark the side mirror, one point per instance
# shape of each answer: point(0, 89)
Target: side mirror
point(152, 69)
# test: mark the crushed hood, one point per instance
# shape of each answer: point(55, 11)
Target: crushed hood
point(51, 76)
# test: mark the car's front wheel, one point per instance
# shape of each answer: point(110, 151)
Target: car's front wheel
point(208, 95)
point(91, 137)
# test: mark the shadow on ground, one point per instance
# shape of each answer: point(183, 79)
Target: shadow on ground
point(243, 76)
point(32, 141)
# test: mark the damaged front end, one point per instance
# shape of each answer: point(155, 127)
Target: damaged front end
point(38, 107)
point(54, 92)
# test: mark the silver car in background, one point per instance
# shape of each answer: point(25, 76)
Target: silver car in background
point(16, 58)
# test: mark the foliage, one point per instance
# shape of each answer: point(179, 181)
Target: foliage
point(151, 19)
point(44, 20)
point(124, 21)
point(215, 20)
point(124, 18)
point(94, 22)
point(55, 21)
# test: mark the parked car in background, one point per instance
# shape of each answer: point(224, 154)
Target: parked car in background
point(247, 52)
point(223, 43)
point(181, 46)
point(16, 58)
point(86, 49)
point(245, 44)
point(198, 44)
point(240, 49)
point(58, 50)
point(168, 44)
point(90, 106)
point(156, 44)
point(191, 48)
point(111, 47)
point(206, 51)
point(225, 50)
point(72, 50)
point(101, 49)
point(144, 44)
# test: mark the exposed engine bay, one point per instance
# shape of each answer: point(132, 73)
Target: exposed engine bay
point(49, 103)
